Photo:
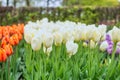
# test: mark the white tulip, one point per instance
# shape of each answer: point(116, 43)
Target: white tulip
point(71, 47)
point(115, 34)
point(102, 29)
point(48, 40)
point(36, 43)
point(77, 34)
point(44, 20)
point(89, 33)
point(92, 44)
point(67, 35)
point(83, 34)
point(58, 38)
point(103, 46)
point(29, 34)
point(103, 37)
point(96, 35)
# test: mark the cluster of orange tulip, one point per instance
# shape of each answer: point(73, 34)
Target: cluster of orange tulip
point(9, 37)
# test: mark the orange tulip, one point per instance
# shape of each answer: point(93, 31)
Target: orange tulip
point(5, 40)
point(11, 30)
point(19, 35)
point(3, 55)
point(9, 36)
point(14, 39)
point(5, 31)
point(21, 28)
point(8, 49)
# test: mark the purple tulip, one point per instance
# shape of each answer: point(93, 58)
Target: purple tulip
point(117, 50)
point(110, 46)
point(118, 44)
point(108, 38)
point(109, 50)
point(110, 42)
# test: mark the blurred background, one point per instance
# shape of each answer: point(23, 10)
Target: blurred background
point(85, 11)
point(58, 3)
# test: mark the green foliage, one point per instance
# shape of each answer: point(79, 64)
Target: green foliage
point(13, 68)
point(88, 16)
point(85, 64)
point(85, 15)
point(90, 3)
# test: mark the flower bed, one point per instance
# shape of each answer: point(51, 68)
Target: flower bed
point(49, 33)
point(68, 50)
point(59, 50)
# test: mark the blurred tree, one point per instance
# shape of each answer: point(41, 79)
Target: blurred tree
point(7, 2)
point(48, 3)
point(28, 3)
point(14, 3)
point(71, 2)
point(0, 2)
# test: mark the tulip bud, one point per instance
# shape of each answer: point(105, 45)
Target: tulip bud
point(85, 44)
point(92, 44)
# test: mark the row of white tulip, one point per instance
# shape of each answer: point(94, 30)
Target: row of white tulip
point(49, 33)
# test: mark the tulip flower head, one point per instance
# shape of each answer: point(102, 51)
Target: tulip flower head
point(36, 43)
point(3, 55)
point(71, 48)
point(92, 44)
point(48, 40)
point(104, 45)
point(58, 38)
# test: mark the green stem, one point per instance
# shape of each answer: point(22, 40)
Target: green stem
point(112, 64)
point(8, 68)
point(2, 71)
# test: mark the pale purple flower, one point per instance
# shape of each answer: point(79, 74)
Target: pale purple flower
point(109, 50)
point(118, 44)
point(108, 38)
point(117, 50)
point(110, 43)
point(110, 46)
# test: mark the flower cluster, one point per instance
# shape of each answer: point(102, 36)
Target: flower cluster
point(9, 37)
point(49, 33)
point(112, 37)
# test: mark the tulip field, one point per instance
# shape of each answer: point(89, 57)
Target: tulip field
point(47, 50)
